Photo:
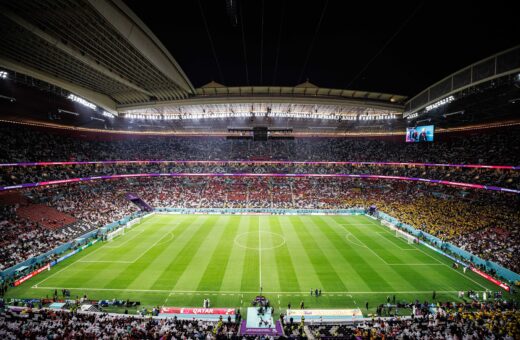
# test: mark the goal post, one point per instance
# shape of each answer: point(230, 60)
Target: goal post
point(410, 239)
point(133, 222)
point(401, 234)
point(115, 233)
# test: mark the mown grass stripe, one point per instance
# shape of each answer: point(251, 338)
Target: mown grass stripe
point(334, 249)
point(328, 276)
point(169, 277)
point(234, 271)
point(250, 280)
point(219, 258)
point(372, 276)
point(307, 276)
point(201, 256)
point(284, 262)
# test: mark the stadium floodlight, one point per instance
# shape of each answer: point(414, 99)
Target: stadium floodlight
point(68, 112)
point(3, 74)
point(82, 101)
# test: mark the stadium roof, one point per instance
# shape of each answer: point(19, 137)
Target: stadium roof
point(305, 100)
point(99, 50)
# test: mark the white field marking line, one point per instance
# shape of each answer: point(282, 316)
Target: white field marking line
point(105, 261)
point(353, 242)
point(70, 264)
point(171, 238)
point(383, 235)
point(239, 237)
point(165, 300)
point(82, 258)
point(150, 248)
point(416, 264)
point(373, 252)
point(260, 256)
point(422, 251)
point(129, 239)
point(372, 233)
point(354, 224)
point(216, 292)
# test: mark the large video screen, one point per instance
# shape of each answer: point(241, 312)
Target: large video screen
point(419, 134)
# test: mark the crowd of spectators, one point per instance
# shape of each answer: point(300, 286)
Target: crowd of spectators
point(93, 207)
point(488, 323)
point(22, 239)
point(22, 144)
point(30, 174)
point(496, 320)
point(49, 324)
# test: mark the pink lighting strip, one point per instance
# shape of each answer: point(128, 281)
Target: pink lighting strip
point(383, 177)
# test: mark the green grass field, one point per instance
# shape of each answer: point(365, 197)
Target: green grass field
point(178, 260)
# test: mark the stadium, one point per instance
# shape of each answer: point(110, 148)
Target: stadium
point(259, 170)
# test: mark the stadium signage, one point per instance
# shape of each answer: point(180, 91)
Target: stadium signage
point(181, 310)
point(490, 278)
point(34, 273)
point(72, 253)
point(324, 312)
point(441, 102)
point(64, 257)
point(82, 101)
point(413, 115)
point(336, 315)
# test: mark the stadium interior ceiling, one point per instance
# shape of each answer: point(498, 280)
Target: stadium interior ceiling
point(108, 65)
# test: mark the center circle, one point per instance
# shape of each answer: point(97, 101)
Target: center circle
point(241, 240)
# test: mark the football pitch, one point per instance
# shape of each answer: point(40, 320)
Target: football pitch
point(179, 260)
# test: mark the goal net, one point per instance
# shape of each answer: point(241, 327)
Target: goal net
point(133, 222)
point(115, 233)
point(401, 234)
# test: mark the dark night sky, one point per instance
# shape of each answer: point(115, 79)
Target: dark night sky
point(424, 41)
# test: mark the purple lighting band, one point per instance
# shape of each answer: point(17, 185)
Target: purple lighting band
point(399, 178)
point(476, 166)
